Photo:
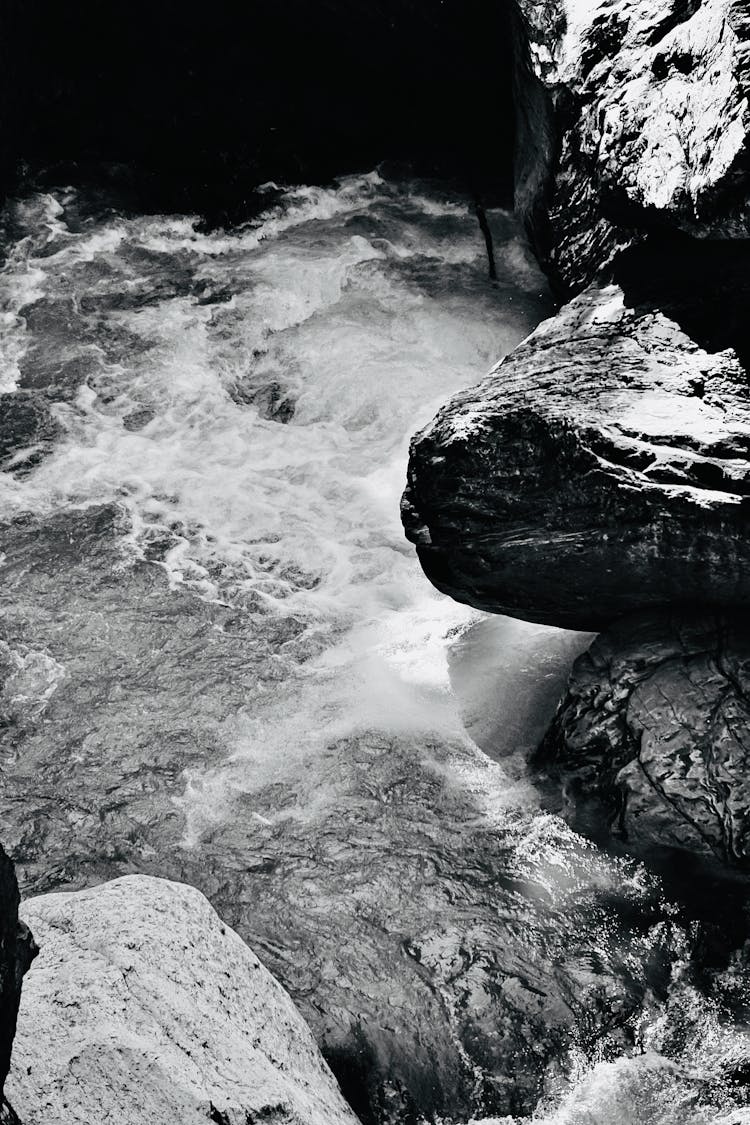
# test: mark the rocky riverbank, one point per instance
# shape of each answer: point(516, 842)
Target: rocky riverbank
point(196, 600)
point(602, 468)
point(221, 664)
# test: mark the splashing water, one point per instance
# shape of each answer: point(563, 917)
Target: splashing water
point(226, 665)
point(347, 314)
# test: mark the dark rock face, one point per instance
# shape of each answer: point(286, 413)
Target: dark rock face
point(653, 735)
point(17, 950)
point(603, 467)
point(632, 115)
point(26, 430)
point(702, 284)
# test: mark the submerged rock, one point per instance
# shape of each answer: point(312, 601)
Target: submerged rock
point(653, 735)
point(17, 950)
point(144, 1007)
point(602, 467)
point(272, 400)
point(631, 115)
point(27, 430)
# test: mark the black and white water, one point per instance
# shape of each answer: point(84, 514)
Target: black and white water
point(221, 661)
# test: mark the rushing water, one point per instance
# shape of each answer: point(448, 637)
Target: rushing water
point(221, 662)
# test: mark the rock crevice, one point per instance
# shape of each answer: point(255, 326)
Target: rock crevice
point(653, 735)
point(17, 951)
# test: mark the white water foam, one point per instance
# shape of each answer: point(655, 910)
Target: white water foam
point(366, 305)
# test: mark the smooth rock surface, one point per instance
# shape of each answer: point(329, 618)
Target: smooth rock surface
point(143, 1008)
point(653, 735)
point(631, 114)
point(601, 468)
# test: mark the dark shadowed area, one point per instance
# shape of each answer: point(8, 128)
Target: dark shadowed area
point(187, 106)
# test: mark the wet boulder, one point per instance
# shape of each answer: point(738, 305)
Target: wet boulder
point(652, 739)
point(602, 468)
point(273, 401)
point(631, 115)
point(144, 1006)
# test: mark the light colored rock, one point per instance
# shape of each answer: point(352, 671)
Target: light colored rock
point(144, 1008)
point(650, 109)
point(603, 467)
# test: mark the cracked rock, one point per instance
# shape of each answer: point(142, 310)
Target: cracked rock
point(653, 735)
point(632, 114)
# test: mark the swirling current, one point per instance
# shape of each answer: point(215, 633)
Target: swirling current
point(220, 661)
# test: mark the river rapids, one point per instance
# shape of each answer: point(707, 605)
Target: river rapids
point(220, 661)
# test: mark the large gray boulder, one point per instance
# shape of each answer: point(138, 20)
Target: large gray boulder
point(631, 115)
point(652, 738)
point(143, 1008)
point(601, 468)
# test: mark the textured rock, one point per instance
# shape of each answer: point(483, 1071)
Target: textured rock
point(26, 430)
point(631, 114)
point(17, 950)
point(603, 467)
point(653, 735)
point(144, 1007)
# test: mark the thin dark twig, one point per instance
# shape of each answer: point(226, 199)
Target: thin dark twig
point(485, 228)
